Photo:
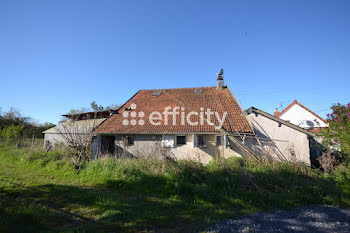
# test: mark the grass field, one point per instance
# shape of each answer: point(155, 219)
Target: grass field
point(43, 192)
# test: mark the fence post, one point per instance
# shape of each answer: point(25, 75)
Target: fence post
point(33, 140)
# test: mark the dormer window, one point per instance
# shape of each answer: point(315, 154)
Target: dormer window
point(197, 91)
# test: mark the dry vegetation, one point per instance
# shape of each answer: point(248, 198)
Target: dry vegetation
point(43, 191)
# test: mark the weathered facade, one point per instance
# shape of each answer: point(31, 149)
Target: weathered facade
point(76, 124)
point(184, 133)
point(57, 136)
point(168, 145)
point(277, 138)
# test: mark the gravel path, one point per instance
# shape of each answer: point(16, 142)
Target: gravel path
point(313, 219)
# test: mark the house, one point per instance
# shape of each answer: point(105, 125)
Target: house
point(279, 139)
point(76, 127)
point(300, 115)
point(185, 123)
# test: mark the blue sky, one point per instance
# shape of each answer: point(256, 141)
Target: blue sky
point(58, 55)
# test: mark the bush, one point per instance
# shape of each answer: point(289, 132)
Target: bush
point(10, 134)
point(337, 135)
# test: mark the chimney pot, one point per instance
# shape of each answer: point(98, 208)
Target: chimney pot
point(220, 79)
point(276, 113)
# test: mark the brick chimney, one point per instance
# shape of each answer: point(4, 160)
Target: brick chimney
point(276, 113)
point(220, 79)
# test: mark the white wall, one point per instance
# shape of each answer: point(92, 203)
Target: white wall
point(54, 138)
point(301, 117)
point(280, 141)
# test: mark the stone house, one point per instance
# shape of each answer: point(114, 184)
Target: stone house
point(184, 123)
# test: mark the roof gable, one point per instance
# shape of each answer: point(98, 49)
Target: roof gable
point(186, 100)
point(295, 102)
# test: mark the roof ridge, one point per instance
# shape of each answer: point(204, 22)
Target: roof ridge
point(311, 112)
point(287, 108)
point(296, 102)
point(176, 88)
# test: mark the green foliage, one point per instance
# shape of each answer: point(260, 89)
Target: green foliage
point(337, 135)
point(11, 133)
point(15, 117)
point(41, 128)
point(96, 107)
point(45, 191)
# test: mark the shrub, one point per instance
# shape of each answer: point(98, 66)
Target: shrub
point(11, 133)
point(337, 135)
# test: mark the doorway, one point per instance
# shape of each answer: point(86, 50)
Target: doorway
point(108, 145)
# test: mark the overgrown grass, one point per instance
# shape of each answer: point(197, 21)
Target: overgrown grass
point(42, 191)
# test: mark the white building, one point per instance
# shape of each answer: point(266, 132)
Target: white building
point(76, 125)
point(279, 139)
point(301, 116)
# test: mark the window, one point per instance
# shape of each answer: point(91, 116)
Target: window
point(180, 140)
point(168, 140)
point(199, 141)
point(130, 140)
point(219, 140)
point(198, 91)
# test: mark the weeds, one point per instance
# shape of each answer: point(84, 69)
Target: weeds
point(152, 195)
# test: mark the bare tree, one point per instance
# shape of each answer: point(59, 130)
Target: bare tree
point(77, 135)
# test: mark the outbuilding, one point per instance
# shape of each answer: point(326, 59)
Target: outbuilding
point(279, 139)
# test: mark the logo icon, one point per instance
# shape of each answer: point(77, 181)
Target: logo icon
point(133, 114)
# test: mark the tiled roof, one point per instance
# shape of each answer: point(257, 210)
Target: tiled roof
point(296, 102)
point(217, 100)
point(316, 130)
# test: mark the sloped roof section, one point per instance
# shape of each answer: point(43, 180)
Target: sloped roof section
point(279, 120)
point(75, 126)
point(187, 100)
point(296, 102)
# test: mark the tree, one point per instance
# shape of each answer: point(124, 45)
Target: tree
point(13, 117)
point(77, 111)
point(41, 128)
point(96, 107)
point(77, 136)
point(10, 134)
point(337, 135)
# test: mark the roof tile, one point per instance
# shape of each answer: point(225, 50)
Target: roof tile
point(217, 100)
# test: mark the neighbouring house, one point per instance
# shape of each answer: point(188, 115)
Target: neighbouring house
point(75, 127)
point(279, 139)
point(300, 115)
point(181, 123)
